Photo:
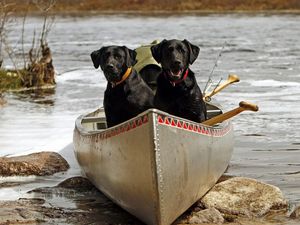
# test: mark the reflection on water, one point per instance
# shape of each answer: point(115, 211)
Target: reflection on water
point(39, 96)
point(263, 50)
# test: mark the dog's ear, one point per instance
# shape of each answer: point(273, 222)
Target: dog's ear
point(130, 56)
point(96, 57)
point(193, 49)
point(156, 51)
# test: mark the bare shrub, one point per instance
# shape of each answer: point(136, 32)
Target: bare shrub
point(38, 68)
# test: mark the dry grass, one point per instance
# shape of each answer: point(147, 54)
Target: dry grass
point(36, 74)
point(166, 5)
point(9, 79)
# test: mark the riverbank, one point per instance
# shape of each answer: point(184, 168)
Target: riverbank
point(164, 13)
point(144, 7)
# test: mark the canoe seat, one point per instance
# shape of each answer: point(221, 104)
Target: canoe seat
point(213, 112)
point(97, 123)
point(93, 119)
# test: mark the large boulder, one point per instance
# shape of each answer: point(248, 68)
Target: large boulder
point(244, 196)
point(39, 164)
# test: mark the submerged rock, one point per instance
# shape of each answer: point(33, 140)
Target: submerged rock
point(39, 164)
point(73, 201)
point(77, 183)
point(295, 212)
point(73, 184)
point(244, 196)
point(2, 100)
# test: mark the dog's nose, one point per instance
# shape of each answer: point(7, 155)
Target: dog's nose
point(109, 66)
point(177, 62)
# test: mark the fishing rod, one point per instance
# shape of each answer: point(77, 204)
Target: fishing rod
point(209, 81)
point(232, 78)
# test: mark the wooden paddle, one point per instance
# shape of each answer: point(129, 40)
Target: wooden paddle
point(232, 78)
point(220, 118)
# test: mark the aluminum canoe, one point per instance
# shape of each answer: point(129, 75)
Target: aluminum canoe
point(155, 165)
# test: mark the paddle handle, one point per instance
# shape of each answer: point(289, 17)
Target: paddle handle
point(225, 116)
point(232, 78)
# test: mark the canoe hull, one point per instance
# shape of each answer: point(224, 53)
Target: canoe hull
point(155, 166)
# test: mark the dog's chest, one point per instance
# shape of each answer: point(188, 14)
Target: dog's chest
point(119, 100)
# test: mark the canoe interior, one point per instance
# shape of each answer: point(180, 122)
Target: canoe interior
point(96, 120)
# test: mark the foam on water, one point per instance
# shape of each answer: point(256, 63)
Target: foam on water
point(273, 83)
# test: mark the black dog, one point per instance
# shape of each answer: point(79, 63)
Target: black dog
point(126, 94)
point(177, 90)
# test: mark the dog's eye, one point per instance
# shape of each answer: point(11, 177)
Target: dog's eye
point(170, 49)
point(180, 49)
point(117, 57)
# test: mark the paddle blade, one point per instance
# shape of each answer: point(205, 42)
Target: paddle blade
point(232, 78)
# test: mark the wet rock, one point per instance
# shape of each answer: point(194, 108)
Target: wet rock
point(2, 102)
point(39, 164)
point(81, 183)
point(9, 184)
point(210, 215)
point(244, 196)
point(77, 201)
point(77, 184)
point(224, 177)
point(295, 212)
point(70, 202)
point(21, 211)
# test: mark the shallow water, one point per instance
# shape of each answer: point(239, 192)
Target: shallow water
point(263, 50)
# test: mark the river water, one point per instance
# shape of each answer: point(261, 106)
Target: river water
point(263, 50)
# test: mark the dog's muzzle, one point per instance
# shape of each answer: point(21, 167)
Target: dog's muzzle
point(175, 75)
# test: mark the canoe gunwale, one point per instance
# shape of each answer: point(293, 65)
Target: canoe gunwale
point(161, 117)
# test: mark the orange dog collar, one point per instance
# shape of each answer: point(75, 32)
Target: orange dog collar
point(124, 77)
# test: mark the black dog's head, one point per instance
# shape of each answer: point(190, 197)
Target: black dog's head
point(175, 56)
point(114, 61)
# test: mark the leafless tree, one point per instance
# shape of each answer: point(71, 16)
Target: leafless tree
point(23, 44)
point(37, 46)
point(4, 20)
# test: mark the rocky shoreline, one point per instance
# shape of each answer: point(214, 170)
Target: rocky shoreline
point(233, 200)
